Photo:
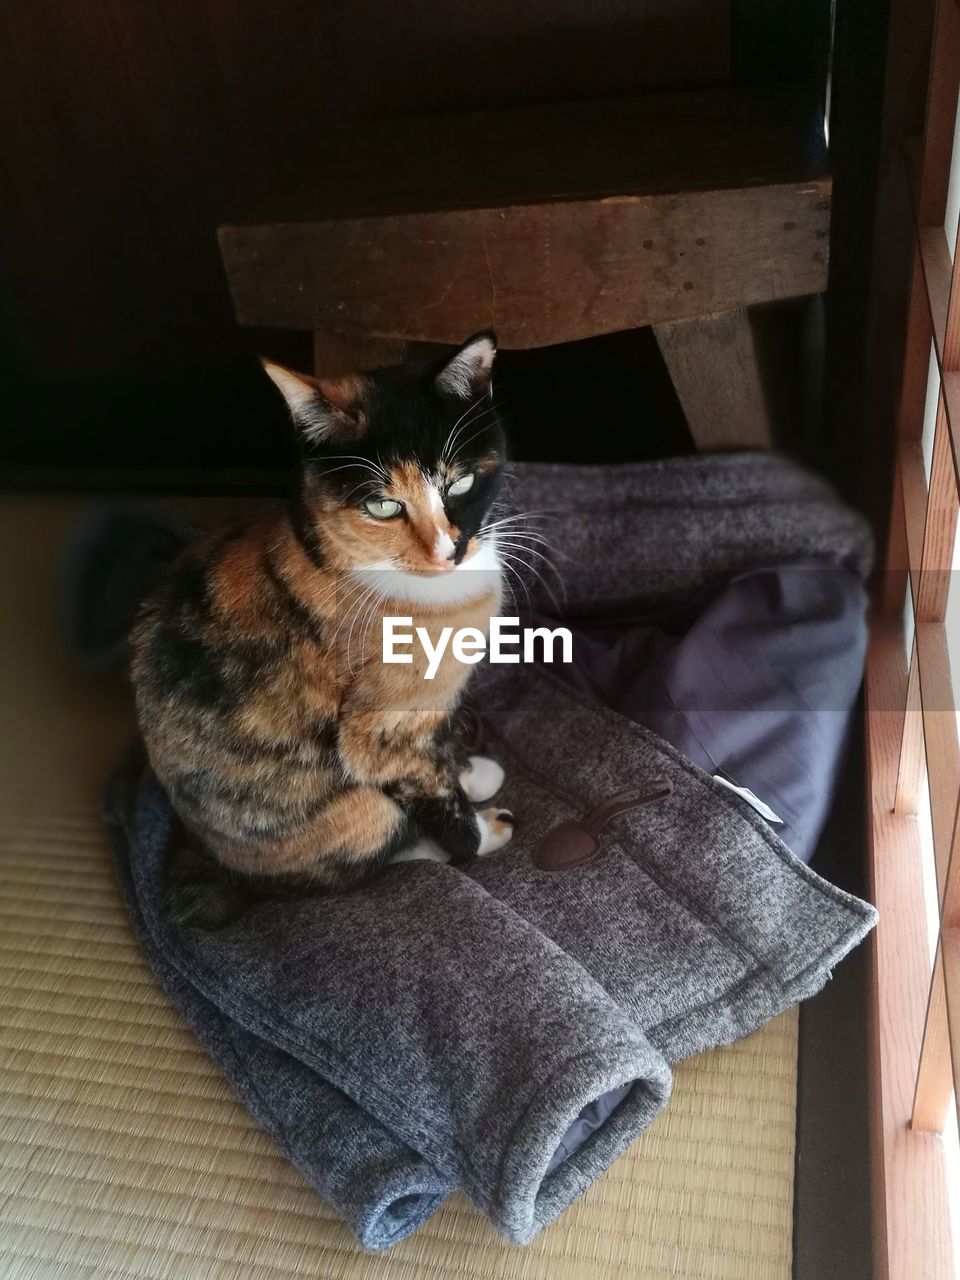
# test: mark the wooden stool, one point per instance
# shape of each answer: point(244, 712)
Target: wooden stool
point(550, 224)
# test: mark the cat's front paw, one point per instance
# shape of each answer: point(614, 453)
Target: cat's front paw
point(481, 779)
point(425, 850)
point(496, 829)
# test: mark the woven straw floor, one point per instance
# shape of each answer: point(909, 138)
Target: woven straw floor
point(124, 1154)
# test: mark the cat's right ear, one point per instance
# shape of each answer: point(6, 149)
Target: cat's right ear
point(466, 374)
point(322, 409)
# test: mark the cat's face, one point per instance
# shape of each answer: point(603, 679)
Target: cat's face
point(402, 466)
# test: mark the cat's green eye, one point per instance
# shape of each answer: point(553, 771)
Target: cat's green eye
point(382, 508)
point(461, 486)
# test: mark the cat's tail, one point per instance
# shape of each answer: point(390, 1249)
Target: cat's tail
point(113, 560)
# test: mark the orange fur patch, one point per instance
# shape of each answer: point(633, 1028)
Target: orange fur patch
point(356, 823)
point(236, 578)
point(346, 393)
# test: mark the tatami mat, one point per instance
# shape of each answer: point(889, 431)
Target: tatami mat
point(123, 1153)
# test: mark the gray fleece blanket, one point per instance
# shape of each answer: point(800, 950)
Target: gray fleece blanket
point(508, 1027)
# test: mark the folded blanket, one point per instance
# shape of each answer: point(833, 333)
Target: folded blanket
point(445, 1017)
point(507, 1026)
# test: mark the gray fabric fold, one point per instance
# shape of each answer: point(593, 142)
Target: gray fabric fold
point(446, 1018)
point(647, 533)
point(454, 1026)
point(381, 1187)
point(697, 919)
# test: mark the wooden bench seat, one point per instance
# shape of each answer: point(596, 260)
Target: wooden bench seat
point(549, 224)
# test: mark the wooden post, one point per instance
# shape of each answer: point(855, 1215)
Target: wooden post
point(713, 364)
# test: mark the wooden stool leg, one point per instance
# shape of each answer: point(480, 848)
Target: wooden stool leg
point(713, 365)
point(335, 354)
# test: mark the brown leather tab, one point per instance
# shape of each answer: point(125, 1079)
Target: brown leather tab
point(572, 843)
point(568, 844)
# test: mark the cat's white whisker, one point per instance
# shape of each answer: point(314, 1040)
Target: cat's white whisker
point(347, 607)
point(535, 574)
point(508, 565)
point(372, 613)
point(460, 447)
point(447, 453)
point(470, 407)
point(362, 485)
point(520, 548)
point(523, 535)
point(503, 527)
point(514, 521)
point(356, 458)
point(348, 619)
point(368, 605)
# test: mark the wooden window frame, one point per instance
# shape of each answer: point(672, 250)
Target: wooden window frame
point(911, 721)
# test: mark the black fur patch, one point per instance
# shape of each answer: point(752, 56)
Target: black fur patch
point(305, 533)
point(305, 620)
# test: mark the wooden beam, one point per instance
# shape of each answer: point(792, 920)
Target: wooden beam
point(893, 588)
point(937, 270)
point(938, 1080)
point(913, 484)
point(935, 1071)
point(713, 365)
point(940, 738)
point(940, 526)
point(951, 400)
point(912, 1213)
point(950, 952)
point(911, 766)
point(916, 359)
point(538, 274)
point(934, 1087)
point(941, 112)
point(950, 903)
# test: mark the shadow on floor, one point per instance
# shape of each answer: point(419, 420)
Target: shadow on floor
point(832, 1226)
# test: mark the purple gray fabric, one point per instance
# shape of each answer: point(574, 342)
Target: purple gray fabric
point(453, 1026)
point(756, 684)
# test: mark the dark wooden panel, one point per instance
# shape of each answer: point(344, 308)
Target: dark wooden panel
point(881, 62)
point(128, 131)
point(538, 274)
point(672, 142)
point(379, 59)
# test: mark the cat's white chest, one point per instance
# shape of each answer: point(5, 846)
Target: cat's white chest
point(475, 579)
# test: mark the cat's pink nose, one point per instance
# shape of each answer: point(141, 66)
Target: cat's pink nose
point(443, 549)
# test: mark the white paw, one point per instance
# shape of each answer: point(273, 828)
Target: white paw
point(425, 850)
point(481, 779)
point(496, 829)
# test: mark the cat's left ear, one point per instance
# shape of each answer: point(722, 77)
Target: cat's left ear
point(467, 373)
point(322, 409)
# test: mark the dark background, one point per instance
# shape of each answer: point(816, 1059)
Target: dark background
point(128, 131)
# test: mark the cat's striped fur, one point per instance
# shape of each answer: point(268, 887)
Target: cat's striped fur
point(287, 747)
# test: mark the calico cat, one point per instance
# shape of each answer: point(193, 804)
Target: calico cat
point(289, 750)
